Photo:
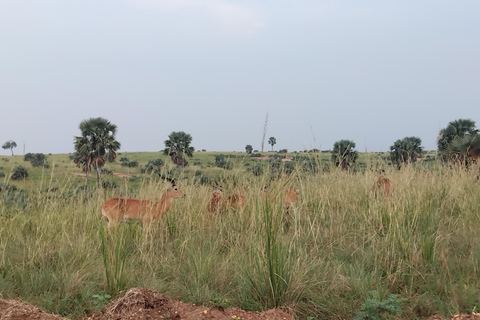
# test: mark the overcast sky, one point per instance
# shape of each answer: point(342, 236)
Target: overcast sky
point(369, 71)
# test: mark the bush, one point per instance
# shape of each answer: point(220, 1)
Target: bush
point(257, 170)
point(153, 166)
point(133, 164)
point(373, 309)
point(124, 162)
point(19, 172)
point(2, 174)
point(10, 195)
point(109, 184)
point(222, 163)
point(283, 151)
point(107, 171)
point(37, 159)
point(310, 165)
point(288, 167)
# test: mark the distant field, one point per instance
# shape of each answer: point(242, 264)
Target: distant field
point(321, 259)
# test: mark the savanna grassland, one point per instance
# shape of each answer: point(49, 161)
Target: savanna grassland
point(319, 260)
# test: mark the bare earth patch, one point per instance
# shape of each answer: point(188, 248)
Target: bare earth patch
point(267, 158)
point(117, 174)
point(141, 304)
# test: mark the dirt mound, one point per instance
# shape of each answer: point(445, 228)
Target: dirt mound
point(141, 304)
point(17, 310)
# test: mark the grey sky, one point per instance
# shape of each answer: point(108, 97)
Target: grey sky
point(370, 71)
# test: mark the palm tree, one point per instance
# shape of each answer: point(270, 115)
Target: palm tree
point(343, 154)
point(456, 128)
point(463, 149)
point(96, 143)
point(406, 150)
point(272, 141)
point(176, 146)
point(249, 148)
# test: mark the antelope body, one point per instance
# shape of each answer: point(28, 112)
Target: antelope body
point(145, 211)
point(288, 198)
point(222, 203)
point(383, 185)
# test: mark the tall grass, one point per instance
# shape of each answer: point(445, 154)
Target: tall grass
point(320, 259)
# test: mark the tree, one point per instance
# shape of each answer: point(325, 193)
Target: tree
point(176, 146)
point(463, 149)
point(249, 148)
point(406, 150)
point(272, 141)
point(10, 145)
point(456, 128)
point(95, 144)
point(343, 154)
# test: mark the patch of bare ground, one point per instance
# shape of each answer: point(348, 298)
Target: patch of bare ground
point(142, 304)
point(117, 174)
point(267, 158)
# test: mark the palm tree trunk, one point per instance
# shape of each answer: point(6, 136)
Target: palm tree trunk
point(99, 172)
point(87, 185)
point(179, 169)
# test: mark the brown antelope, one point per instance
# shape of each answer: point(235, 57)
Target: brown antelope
point(221, 203)
point(383, 185)
point(145, 211)
point(289, 197)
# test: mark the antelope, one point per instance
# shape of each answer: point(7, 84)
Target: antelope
point(145, 211)
point(289, 197)
point(383, 185)
point(222, 203)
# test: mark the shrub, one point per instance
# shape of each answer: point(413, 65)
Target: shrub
point(288, 167)
point(37, 159)
point(222, 163)
point(373, 309)
point(257, 170)
point(19, 172)
point(132, 164)
point(107, 171)
point(109, 184)
point(310, 165)
point(10, 195)
point(2, 174)
point(153, 166)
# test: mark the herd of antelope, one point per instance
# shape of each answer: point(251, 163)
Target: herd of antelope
point(146, 211)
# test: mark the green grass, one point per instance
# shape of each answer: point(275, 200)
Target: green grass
point(321, 259)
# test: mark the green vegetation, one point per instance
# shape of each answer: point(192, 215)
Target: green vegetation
point(178, 145)
point(374, 309)
point(336, 244)
point(344, 154)
point(95, 146)
point(9, 145)
point(406, 150)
